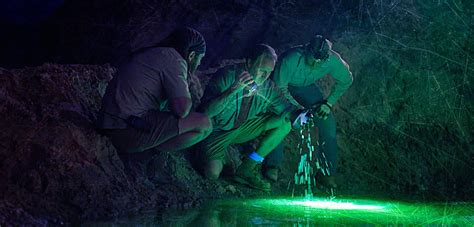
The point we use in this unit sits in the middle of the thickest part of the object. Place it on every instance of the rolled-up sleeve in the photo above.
(278, 104)
(281, 75)
(342, 76)
(174, 81)
(220, 81)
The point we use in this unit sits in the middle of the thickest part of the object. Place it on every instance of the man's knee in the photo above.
(213, 169)
(279, 123)
(203, 122)
(285, 125)
(205, 125)
(327, 130)
(199, 122)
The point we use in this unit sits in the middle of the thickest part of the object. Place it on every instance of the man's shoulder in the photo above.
(270, 86)
(165, 52)
(293, 53)
(228, 71)
(160, 57)
(336, 59)
(225, 76)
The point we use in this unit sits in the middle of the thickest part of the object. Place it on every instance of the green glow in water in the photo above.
(334, 205)
(314, 212)
(354, 211)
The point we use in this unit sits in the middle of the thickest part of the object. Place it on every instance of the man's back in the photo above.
(145, 82)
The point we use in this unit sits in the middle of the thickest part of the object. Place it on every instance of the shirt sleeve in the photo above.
(342, 76)
(278, 102)
(175, 80)
(218, 84)
(281, 76)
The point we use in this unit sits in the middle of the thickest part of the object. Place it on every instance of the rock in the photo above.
(50, 150)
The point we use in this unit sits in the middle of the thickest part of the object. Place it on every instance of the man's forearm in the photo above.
(337, 91)
(215, 106)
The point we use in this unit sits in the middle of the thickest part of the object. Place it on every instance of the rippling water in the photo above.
(301, 212)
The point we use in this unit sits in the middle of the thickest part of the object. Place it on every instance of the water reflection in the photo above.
(298, 212)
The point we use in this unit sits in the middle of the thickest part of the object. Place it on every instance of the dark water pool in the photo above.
(301, 212)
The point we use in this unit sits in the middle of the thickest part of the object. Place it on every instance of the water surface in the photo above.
(302, 212)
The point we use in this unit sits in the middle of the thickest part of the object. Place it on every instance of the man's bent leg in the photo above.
(192, 129)
(275, 128)
(327, 144)
(162, 127)
(275, 158)
(273, 162)
(212, 153)
(309, 96)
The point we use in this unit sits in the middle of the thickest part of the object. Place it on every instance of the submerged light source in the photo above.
(335, 205)
(329, 204)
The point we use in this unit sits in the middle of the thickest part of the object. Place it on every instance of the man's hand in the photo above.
(304, 118)
(323, 110)
(243, 80)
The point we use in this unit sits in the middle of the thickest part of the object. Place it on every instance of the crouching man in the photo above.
(147, 104)
(244, 105)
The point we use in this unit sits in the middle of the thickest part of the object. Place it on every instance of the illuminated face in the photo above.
(262, 69)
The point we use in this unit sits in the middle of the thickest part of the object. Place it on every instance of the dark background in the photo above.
(404, 127)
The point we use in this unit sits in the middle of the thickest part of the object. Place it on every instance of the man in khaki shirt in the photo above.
(296, 74)
(147, 104)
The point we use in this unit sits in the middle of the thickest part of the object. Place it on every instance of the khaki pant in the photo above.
(164, 126)
(215, 145)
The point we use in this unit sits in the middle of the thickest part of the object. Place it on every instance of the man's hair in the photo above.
(263, 50)
(183, 40)
(319, 47)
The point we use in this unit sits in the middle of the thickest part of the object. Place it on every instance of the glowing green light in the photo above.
(312, 212)
(335, 205)
(351, 211)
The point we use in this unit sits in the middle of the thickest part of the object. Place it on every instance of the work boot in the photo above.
(249, 174)
(271, 173)
(326, 182)
(331, 181)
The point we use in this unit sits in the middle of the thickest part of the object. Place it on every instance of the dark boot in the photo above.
(271, 173)
(325, 182)
(249, 174)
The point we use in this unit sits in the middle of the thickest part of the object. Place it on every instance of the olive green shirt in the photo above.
(267, 98)
(292, 70)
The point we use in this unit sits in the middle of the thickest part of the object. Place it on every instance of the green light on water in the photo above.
(311, 212)
(335, 205)
(352, 211)
(328, 204)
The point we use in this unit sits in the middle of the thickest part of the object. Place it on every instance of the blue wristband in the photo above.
(256, 157)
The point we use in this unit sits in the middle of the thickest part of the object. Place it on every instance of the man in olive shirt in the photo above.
(243, 105)
(147, 104)
(296, 74)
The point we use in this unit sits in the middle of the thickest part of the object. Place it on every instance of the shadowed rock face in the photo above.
(51, 155)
